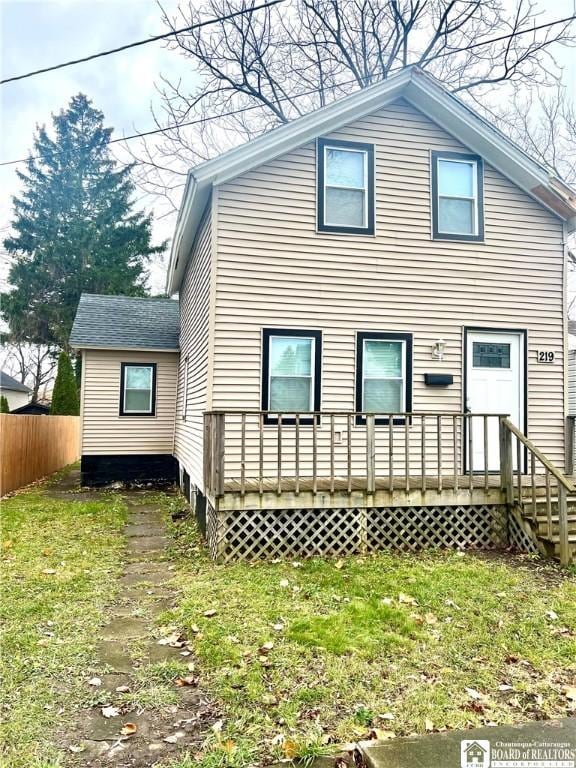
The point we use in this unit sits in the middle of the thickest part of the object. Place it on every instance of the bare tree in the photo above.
(31, 364)
(268, 66)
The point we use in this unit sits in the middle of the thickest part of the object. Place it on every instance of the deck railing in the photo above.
(349, 450)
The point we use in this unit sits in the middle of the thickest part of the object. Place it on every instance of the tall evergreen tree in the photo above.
(65, 395)
(75, 228)
(4, 407)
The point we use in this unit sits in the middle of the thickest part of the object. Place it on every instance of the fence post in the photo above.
(506, 463)
(563, 525)
(569, 445)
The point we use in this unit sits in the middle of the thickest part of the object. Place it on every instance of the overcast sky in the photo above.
(36, 33)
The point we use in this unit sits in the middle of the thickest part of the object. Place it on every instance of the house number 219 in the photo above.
(545, 356)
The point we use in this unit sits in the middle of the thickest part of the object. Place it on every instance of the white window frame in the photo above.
(138, 412)
(327, 186)
(312, 368)
(401, 378)
(473, 199)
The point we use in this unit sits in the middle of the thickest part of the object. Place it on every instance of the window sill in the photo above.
(459, 238)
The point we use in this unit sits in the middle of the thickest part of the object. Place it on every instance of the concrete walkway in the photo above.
(538, 744)
(127, 727)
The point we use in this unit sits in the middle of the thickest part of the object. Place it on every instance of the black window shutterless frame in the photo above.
(321, 226)
(152, 411)
(361, 336)
(436, 234)
(316, 364)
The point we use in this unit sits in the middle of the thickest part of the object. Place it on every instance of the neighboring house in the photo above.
(33, 409)
(392, 263)
(16, 393)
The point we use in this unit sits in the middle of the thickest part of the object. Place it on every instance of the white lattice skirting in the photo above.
(270, 533)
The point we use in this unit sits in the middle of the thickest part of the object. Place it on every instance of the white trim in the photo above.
(474, 199)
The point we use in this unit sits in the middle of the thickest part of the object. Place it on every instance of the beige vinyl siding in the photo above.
(274, 270)
(104, 431)
(194, 346)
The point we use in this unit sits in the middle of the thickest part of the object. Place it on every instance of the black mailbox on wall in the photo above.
(438, 379)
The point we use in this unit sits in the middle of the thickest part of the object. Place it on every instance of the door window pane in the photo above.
(456, 216)
(455, 178)
(344, 168)
(345, 207)
(486, 355)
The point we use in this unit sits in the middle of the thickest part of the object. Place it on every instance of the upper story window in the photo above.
(291, 371)
(345, 194)
(457, 196)
(138, 389)
(383, 373)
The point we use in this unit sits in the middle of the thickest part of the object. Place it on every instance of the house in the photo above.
(16, 393)
(372, 337)
(32, 409)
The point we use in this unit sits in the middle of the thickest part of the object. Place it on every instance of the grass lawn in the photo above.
(301, 654)
(59, 566)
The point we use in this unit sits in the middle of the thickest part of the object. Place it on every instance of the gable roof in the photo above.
(125, 322)
(7, 382)
(412, 84)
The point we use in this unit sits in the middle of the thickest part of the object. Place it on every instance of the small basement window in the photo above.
(457, 196)
(345, 187)
(291, 372)
(138, 389)
(383, 374)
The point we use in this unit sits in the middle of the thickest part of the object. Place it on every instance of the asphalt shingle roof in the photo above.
(7, 382)
(124, 322)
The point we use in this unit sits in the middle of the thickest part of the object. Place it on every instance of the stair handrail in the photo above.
(560, 477)
(564, 486)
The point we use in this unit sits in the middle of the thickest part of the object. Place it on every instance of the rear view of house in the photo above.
(372, 336)
(16, 393)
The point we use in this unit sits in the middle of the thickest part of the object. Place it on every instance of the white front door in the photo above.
(494, 384)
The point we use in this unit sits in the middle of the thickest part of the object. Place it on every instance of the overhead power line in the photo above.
(241, 110)
(137, 43)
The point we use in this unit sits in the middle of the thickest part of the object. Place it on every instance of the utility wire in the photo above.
(241, 110)
(141, 42)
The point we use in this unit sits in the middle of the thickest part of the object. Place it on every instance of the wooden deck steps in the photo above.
(548, 531)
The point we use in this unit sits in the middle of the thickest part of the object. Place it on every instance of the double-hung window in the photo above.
(345, 193)
(138, 389)
(457, 196)
(291, 372)
(383, 374)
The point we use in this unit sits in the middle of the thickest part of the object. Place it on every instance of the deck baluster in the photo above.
(455, 450)
(243, 454)
(261, 454)
(407, 451)
(548, 505)
(314, 455)
(331, 453)
(533, 482)
(423, 452)
(469, 426)
(519, 469)
(370, 454)
(279, 463)
(391, 454)
(439, 449)
(297, 455)
(485, 426)
(349, 449)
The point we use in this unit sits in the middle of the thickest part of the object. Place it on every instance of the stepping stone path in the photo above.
(126, 645)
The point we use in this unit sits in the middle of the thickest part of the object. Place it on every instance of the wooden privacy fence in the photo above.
(34, 446)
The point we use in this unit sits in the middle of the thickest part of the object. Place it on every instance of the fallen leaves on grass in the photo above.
(128, 729)
(210, 612)
(110, 711)
(95, 681)
(380, 735)
(407, 599)
(182, 682)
